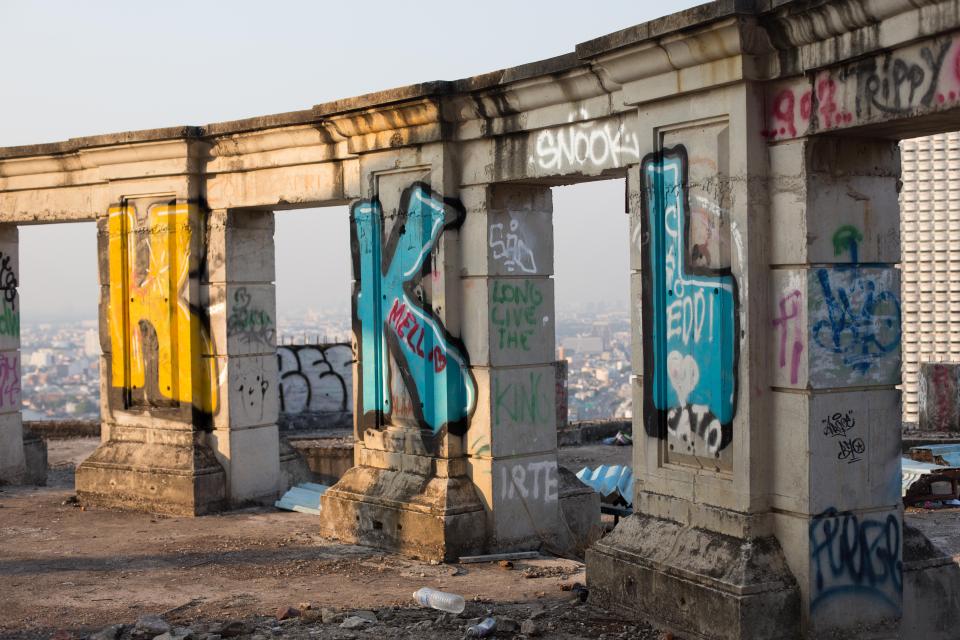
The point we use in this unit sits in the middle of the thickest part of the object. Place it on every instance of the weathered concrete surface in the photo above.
(182, 478)
(328, 458)
(702, 584)
(431, 518)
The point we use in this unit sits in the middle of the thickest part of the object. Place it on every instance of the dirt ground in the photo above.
(65, 568)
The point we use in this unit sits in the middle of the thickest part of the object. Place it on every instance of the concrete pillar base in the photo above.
(294, 469)
(429, 518)
(177, 478)
(696, 582)
(34, 458)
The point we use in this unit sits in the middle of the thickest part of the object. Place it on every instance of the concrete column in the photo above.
(509, 331)
(414, 390)
(12, 464)
(835, 329)
(699, 554)
(159, 386)
(242, 302)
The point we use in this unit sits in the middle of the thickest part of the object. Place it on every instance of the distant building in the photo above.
(91, 344)
(583, 344)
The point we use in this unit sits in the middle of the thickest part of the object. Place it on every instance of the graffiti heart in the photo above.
(393, 321)
(693, 349)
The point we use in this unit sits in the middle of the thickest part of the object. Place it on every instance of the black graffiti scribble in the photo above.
(250, 397)
(894, 85)
(854, 555)
(313, 370)
(8, 280)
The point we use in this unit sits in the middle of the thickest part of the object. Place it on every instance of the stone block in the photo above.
(240, 247)
(509, 321)
(508, 242)
(243, 319)
(516, 412)
(248, 395)
(251, 458)
(836, 450)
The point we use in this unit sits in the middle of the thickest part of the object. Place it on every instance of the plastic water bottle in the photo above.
(482, 630)
(449, 602)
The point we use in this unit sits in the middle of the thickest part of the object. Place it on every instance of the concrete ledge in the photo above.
(160, 478)
(58, 429)
(698, 583)
(429, 518)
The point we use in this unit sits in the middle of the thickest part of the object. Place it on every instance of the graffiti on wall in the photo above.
(521, 400)
(693, 325)
(315, 378)
(9, 381)
(395, 326)
(847, 239)
(790, 326)
(156, 335)
(585, 143)
(10, 316)
(901, 82)
(530, 481)
(511, 247)
(854, 325)
(515, 307)
(249, 323)
(838, 426)
(855, 555)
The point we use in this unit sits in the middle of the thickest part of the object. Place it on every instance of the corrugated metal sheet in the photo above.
(304, 498)
(609, 479)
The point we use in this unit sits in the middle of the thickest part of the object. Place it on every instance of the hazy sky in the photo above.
(84, 68)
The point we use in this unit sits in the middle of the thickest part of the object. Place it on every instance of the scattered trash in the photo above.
(449, 602)
(304, 498)
(613, 482)
(494, 557)
(619, 440)
(286, 612)
(486, 627)
(580, 591)
(505, 564)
